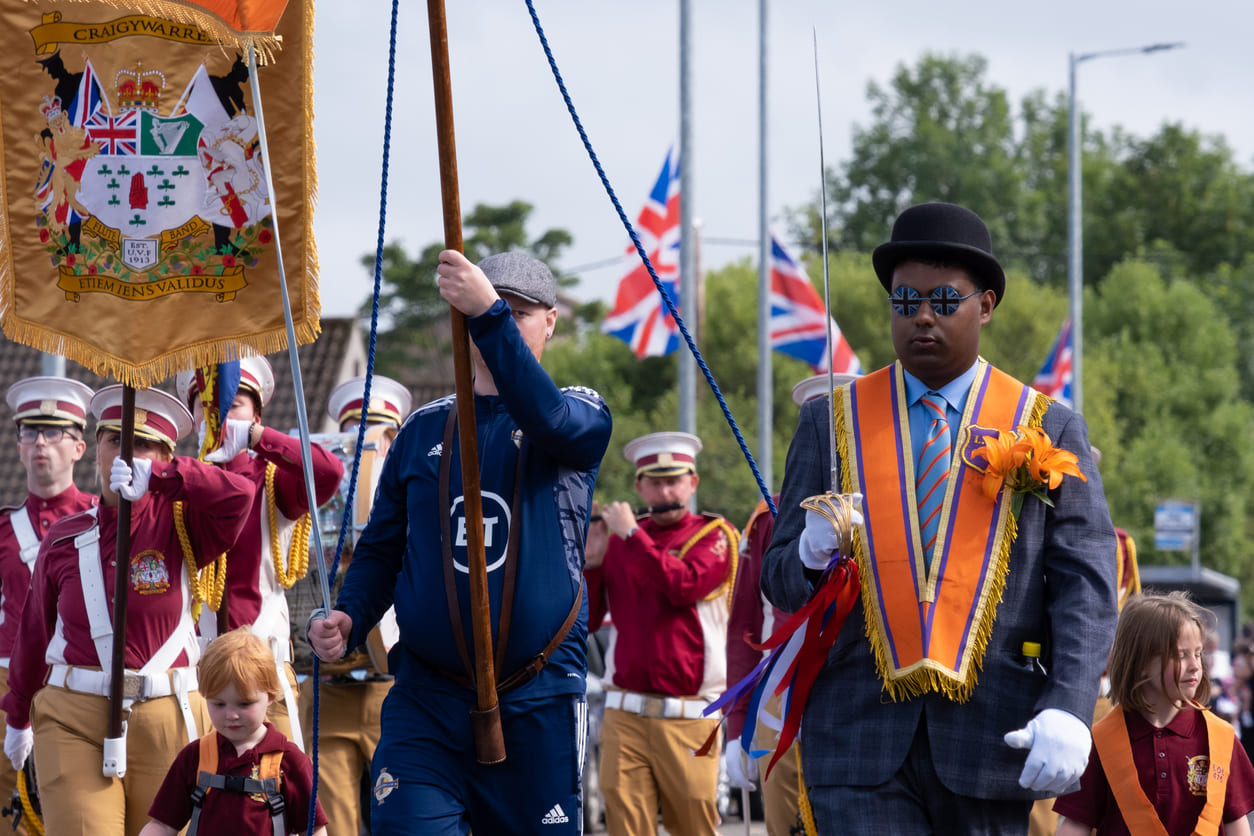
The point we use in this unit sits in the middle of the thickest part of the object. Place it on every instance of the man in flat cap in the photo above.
(51, 416)
(667, 578)
(540, 447)
(918, 720)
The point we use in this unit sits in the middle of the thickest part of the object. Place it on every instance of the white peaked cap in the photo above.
(663, 454)
(816, 386)
(158, 415)
(254, 374)
(389, 401)
(49, 400)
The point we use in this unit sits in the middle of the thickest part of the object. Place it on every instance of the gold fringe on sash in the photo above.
(924, 676)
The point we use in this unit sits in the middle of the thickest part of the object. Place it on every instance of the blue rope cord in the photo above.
(347, 521)
(635, 240)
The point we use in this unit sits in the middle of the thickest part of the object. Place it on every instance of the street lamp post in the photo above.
(1075, 232)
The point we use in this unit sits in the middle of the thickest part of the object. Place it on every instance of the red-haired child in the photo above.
(246, 777)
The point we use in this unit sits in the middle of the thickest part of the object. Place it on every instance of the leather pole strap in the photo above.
(533, 667)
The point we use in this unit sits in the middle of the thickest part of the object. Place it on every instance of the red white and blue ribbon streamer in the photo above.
(797, 651)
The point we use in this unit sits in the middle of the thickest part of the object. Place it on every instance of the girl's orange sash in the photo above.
(928, 632)
(1114, 748)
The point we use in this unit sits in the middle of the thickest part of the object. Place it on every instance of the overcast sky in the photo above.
(620, 61)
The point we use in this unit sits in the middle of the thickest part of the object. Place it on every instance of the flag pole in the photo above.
(486, 719)
(115, 745)
(687, 246)
(302, 419)
(766, 390)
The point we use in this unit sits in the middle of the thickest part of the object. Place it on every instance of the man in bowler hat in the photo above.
(962, 683)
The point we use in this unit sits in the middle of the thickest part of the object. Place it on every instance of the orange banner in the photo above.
(137, 231)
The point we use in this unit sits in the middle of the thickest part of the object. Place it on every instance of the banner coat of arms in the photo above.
(136, 228)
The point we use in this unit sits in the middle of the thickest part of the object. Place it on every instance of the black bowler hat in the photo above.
(942, 231)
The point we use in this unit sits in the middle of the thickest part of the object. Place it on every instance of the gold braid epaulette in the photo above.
(298, 550)
(733, 537)
(211, 577)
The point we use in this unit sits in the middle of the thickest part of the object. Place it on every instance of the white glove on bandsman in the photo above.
(130, 481)
(819, 539)
(18, 744)
(234, 441)
(1059, 744)
(742, 770)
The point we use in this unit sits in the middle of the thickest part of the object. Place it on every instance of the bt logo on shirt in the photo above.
(496, 521)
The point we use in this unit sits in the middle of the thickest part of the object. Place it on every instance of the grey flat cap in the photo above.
(522, 275)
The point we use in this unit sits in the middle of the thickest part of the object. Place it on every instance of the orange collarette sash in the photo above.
(928, 627)
(1114, 748)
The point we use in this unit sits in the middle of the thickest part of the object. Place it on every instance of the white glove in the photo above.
(200, 436)
(18, 744)
(819, 539)
(1059, 745)
(742, 770)
(234, 441)
(130, 481)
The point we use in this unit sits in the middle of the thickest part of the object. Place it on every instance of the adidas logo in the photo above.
(437, 450)
(555, 816)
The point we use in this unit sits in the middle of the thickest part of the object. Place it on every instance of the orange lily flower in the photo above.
(1047, 464)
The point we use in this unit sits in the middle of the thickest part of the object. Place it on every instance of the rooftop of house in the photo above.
(335, 356)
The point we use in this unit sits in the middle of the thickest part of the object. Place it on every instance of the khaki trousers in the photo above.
(277, 713)
(348, 734)
(781, 792)
(70, 729)
(8, 776)
(647, 762)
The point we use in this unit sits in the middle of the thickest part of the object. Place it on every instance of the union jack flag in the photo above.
(88, 100)
(116, 135)
(640, 317)
(1054, 378)
(799, 321)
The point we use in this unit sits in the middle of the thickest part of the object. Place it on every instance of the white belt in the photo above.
(668, 708)
(135, 686)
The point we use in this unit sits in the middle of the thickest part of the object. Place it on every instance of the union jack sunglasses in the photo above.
(945, 300)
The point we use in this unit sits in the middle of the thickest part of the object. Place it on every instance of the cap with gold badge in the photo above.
(158, 415)
(663, 454)
(389, 401)
(56, 401)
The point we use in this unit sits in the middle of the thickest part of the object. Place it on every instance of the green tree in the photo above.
(1159, 389)
(1178, 187)
(940, 131)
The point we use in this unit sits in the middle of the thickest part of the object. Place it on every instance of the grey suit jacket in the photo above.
(1060, 591)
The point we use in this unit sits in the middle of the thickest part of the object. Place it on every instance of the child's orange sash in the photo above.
(928, 626)
(1114, 748)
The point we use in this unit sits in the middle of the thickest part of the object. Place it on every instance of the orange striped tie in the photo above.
(932, 473)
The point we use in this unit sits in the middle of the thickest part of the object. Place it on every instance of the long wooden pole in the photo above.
(121, 575)
(486, 719)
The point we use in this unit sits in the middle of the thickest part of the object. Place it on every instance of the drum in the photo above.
(343, 446)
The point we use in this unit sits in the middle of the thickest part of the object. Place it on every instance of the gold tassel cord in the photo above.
(28, 807)
(727, 588)
(211, 577)
(804, 811)
(298, 551)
